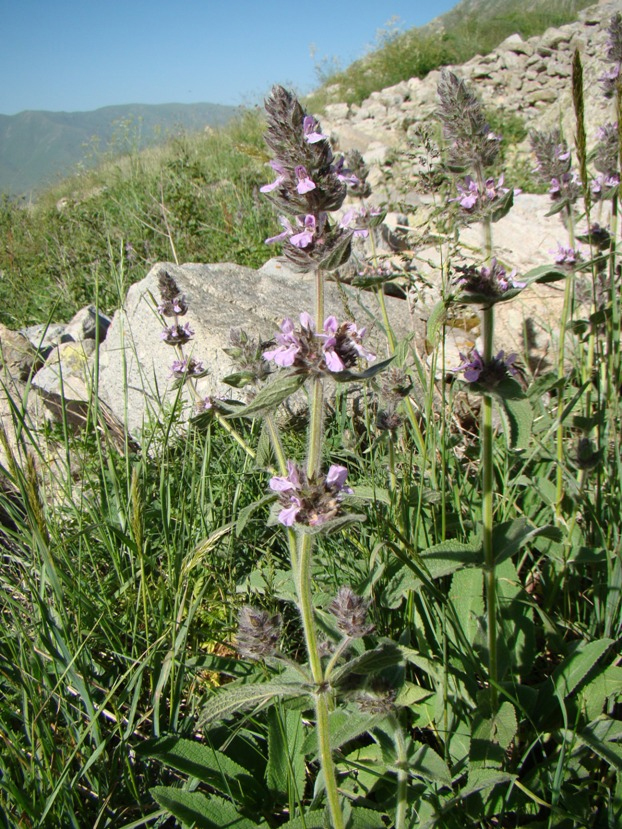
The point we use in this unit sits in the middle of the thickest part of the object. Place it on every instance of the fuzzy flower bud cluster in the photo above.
(173, 304)
(258, 633)
(350, 611)
(474, 199)
(472, 143)
(309, 501)
(336, 348)
(554, 165)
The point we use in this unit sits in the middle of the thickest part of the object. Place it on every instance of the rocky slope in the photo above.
(531, 78)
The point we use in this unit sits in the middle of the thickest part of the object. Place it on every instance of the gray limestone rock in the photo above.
(135, 375)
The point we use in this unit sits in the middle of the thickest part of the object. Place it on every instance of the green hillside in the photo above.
(37, 147)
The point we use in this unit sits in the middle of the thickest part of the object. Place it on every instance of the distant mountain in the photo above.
(38, 147)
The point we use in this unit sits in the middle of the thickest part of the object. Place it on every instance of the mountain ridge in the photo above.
(39, 146)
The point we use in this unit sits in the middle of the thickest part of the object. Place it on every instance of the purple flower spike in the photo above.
(310, 128)
(305, 183)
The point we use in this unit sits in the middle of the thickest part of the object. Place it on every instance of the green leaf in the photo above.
(510, 536)
(332, 526)
(467, 596)
(603, 737)
(285, 772)
(343, 726)
(206, 764)
(518, 416)
(574, 669)
(234, 698)
(436, 321)
(448, 556)
(245, 513)
(544, 273)
(384, 656)
(361, 818)
(606, 684)
(427, 764)
(239, 379)
(201, 811)
(270, 396)
(491, 736)
(480, 779)
(371, 371)
(311, 820)
(503, 207)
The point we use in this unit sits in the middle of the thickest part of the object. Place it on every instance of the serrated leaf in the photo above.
(573, 670)
(371, 493)
(343, 726)
(491, 737)
(361, 818)
(206, 764)
(603, 738)
(332, 526)
(480, 779)
(272, 395)
(245, 513)
(311, 820)
(200, 811)
(234, 698)
(604, 686)
(558, 206)
(503, 207)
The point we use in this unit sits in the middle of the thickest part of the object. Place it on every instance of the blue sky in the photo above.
(76, 55)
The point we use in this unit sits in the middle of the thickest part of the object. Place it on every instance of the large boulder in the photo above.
(135, 378)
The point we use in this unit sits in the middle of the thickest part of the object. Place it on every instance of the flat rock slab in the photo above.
(135, 378)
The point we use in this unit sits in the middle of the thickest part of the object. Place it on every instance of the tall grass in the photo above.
(195, 199)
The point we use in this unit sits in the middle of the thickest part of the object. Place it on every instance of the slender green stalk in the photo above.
(402, 777)
(567, 313)
(488, 513)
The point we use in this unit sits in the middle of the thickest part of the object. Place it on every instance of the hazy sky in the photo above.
(76, 55)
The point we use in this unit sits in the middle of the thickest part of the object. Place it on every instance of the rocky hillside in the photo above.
(530, 78)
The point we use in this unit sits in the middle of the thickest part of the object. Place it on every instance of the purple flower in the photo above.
(306, 235)
(268, 188)
(565, 186)
(491, 282)
(177, 334)
(357, 217)
(287, 231)
(490, 374)
(336, 348)
(469, 193)
(181, 369)
(288, 345)
(343, 174)
(308, 501)
(566, 256)
(602, 183)
(305, 184)
(310, 130)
